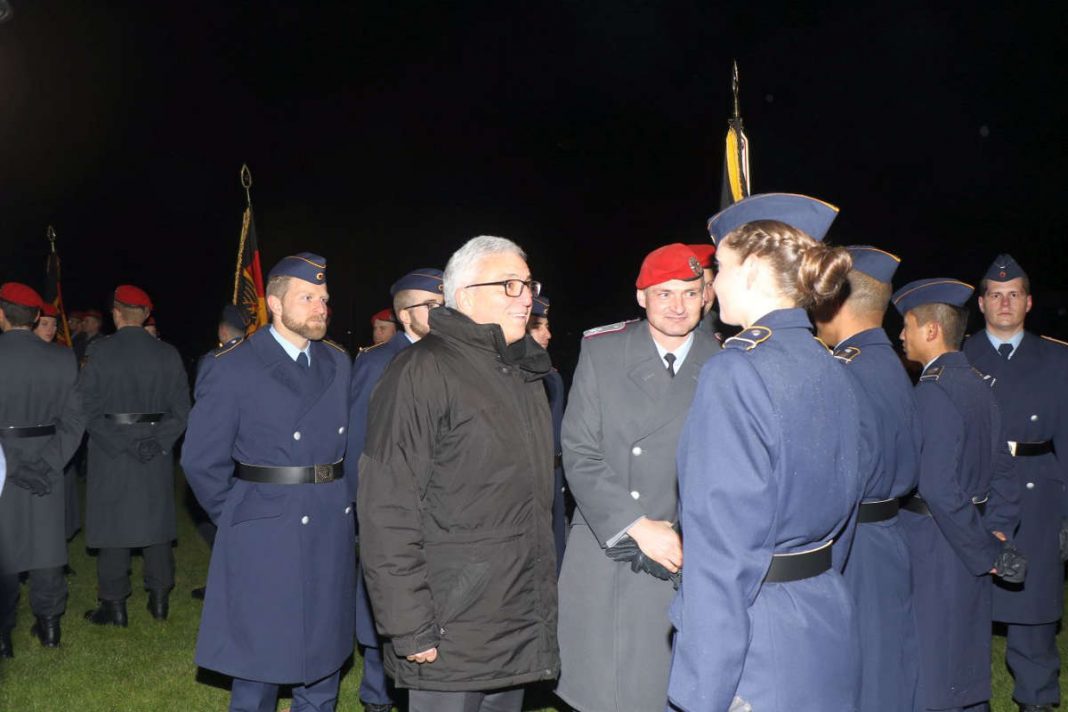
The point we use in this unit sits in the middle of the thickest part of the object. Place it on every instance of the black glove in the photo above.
(1064, 540)
(1011, 565)
(32, 475)
(147, 449)
(626, 550)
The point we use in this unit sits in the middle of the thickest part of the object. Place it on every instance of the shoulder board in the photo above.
(822, 343)
(748, 339)
(847, 354)
(372, 347)
(336, 345)
(230, 348)
(932, 374)
(1055, 341)
(990, 380)
(607, 328)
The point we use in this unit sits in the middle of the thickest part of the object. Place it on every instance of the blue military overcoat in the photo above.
(877, 572)
(767, 464)
(963, 460)
(1032, 393)
(279, 605)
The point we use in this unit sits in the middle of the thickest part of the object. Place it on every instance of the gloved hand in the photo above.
(1011, 565)
(146, 449)
(1064, 540)
(32, 475)
(626, 550)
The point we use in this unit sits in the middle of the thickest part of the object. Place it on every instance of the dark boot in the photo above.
(159, 604)
(108, 613)
(376, 707)
(46, 629)
(198, 593)
(1036, 708)
(6, 649)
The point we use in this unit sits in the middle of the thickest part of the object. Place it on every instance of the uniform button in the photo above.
(636, 450)
(1034, 418)
(341, 430)
(304, 519)
(348, 509)
(296, 435)
(635, 494)
(1030, 485)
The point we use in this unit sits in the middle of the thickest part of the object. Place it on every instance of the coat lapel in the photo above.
(277, 362)
(319, 379)
(668, 397)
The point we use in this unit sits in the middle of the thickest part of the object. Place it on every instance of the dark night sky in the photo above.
(383, 135)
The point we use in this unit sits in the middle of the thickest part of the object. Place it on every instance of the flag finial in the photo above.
(734, 90)
(246, 182)
(50, 233)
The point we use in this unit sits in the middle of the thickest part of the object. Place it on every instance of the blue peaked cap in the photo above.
(938, 290)
(1004, 269)
(540, 306)
(303, 265)
(811, 215)
(426, 279)
(877, 264)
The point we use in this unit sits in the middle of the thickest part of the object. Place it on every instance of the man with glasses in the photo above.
(414, 295)
(455, 496)
(632, 389)
(1031, 387)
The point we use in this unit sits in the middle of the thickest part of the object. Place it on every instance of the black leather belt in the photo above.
(803, 565)
(308, 475)
(134, 418)
(916, 505)
(877, 511)
(27, 431)
(1030, 449)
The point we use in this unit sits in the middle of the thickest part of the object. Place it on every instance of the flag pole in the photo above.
(246, 183)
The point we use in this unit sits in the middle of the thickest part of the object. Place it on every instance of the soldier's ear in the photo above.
(640, 296)
(1028, 304)
(982, 305)
(274, 304)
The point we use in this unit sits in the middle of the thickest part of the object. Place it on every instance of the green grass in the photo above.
(149, 666)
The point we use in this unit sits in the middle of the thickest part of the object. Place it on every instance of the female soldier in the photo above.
(768, 480)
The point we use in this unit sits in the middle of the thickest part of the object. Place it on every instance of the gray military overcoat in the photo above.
(130, 503)
(621, 427)
(36, 388)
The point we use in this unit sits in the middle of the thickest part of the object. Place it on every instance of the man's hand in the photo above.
(659, 541)
(427, 656)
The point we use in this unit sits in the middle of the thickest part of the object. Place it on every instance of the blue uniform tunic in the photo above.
(877, 571)
(279, 606)
(767, 464)
(963, 460)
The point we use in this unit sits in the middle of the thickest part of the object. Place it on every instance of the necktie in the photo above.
(670, 358)
(302, 360)
(1005, 350)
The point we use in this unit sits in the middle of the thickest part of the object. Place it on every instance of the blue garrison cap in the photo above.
(540, 306)
(811, 215)
(426, 279)
(234, 316)
(303, 265)
(939, 290)
(1004, 269)
(877, 264)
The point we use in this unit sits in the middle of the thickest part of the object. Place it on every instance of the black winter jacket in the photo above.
(455, 507)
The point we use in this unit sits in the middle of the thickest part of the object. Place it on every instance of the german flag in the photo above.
(248, 278)
(53, 292)
(736, 154)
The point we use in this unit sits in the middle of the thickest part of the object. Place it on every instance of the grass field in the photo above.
(149, 666)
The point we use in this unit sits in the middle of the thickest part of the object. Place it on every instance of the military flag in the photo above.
(736, 154)
(53, 292)
(249, 292)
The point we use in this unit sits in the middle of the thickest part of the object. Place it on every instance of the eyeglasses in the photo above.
(512, 287)
(429, 305)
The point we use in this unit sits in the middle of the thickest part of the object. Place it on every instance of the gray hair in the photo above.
(464, 263)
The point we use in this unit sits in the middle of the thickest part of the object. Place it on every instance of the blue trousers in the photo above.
(253, 696)
(374, 688)
(1031, 654)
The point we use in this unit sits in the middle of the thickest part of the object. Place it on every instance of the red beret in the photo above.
(674, 261)
(18, 293)
(49, 309)
(384, 315)
(132, 296)
(704, 253)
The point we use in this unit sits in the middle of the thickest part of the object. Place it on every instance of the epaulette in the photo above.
(336, 345)
(990, 380)
(607, 328)
(230, 348)
(847, 354)
(1056, 341)
(932, 374)
(748, 339)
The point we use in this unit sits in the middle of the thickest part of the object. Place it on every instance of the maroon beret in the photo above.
(674, 261)
(132, 296)
(18, 293)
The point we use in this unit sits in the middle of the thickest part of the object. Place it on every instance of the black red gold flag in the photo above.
(248, 280)
(53, 291)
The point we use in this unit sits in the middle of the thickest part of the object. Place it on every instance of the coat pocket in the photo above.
(257, 505)
(464, 590)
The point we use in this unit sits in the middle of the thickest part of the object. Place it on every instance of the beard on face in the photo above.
(313, 328)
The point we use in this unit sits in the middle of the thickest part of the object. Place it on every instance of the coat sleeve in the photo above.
(364, 378)
(397, 462)
(728, 502)
(600, 492)
(940, 461)
(71, 424)
(207, 457)
(177, 403)
(1003, 506)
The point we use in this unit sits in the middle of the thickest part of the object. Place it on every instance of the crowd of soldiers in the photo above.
(776, 521)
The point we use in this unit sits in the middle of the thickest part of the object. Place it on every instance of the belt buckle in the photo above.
(1012, 447)
(324, 473)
